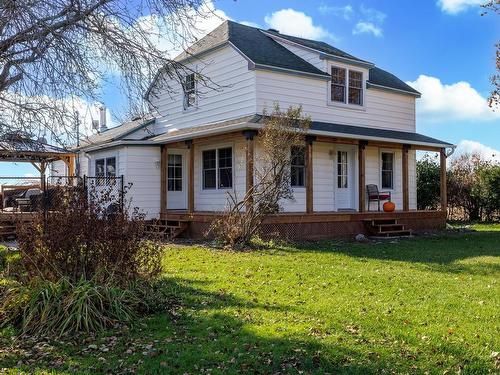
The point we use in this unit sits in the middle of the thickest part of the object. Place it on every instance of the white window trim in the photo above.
(217, 147)
(195, 105)
(104, 157)
(346, 104)
(300, 188)
(386, 151)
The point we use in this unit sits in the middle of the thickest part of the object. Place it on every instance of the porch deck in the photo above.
(316, 225)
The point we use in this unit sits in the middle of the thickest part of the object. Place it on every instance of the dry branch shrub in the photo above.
(243, 217)
(86, 266)
(86, 235)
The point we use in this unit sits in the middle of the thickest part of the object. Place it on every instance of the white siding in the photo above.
(58, 168)
(231, 93)
(143, 172)
(216, 200)
(382, 109)
(323, 177)
(310, 56)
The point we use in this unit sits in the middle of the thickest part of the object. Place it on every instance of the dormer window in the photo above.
(189, 87)
(355, 87)
(338, 84)
(346, 86)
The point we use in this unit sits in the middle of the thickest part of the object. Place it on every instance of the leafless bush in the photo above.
(86, 235)
(282, 131)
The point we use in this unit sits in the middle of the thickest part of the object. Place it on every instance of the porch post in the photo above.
(309, 174)
(190, 145)
(163, 178)
(406, 199)
(442, 164)
(361, 175)
(250, 150)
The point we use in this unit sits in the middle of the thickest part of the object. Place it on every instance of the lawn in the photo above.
(415, 306)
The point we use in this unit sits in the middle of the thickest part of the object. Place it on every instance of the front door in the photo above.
(177, 196)
(344, 182)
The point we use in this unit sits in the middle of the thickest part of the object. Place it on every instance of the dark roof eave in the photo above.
(387, 88)
(324, 76)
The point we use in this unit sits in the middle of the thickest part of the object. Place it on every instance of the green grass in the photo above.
(424, 305)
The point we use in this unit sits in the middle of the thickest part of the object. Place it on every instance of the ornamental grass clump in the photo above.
(86, 266)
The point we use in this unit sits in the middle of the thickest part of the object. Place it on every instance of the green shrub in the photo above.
(63, 307)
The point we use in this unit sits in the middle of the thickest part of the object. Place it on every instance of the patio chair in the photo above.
(377, 196)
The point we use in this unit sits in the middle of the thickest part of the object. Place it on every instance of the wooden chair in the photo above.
(375, 195)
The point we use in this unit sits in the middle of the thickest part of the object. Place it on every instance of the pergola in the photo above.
(21, 149)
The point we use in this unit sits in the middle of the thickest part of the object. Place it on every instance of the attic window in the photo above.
(338, 84)
(189, 87)
(355, 87)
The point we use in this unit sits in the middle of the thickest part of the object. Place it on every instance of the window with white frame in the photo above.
(298, 166)
(346, 86)
(217, 168)
(174, 178)
(355, 87)
(105, 167)
(338, 84)
(342, 169)
(189, 87)
(387, 170)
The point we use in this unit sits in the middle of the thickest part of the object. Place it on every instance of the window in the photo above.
(189, 87)
(225, 168)
(355, 87)
(105, 167)
(209, 169)
(338, 85)
(387, 170)
(298, 166)
(217, 168)
(174, 172)
(342, 169)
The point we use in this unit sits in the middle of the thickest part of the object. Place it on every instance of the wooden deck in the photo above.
(317, 225)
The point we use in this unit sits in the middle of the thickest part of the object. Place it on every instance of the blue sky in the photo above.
(445, 48)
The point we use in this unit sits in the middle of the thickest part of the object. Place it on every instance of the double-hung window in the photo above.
(298, 166)
(338, 84)
(189, 88)
(355, 87)
(217, 166)
(387, 171)
(346, 86)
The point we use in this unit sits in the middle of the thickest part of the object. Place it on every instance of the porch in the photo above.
(318, 217)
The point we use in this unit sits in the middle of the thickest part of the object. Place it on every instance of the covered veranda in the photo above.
(15, 148)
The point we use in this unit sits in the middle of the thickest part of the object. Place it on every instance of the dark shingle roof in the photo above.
(361, 132)
(319, 46)
(386, 79)
(262, 49)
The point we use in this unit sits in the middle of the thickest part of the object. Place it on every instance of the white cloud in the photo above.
(456, 101)
(367, 28)
(345, 11)
(292, 22)
(457, 6)
(372, 15)
(472, 147)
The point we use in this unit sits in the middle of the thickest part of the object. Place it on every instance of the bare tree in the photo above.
(494, 99)
(282, 137)
(54, 54)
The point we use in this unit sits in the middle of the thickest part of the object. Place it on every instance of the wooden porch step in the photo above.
(167, 229)
(390, 227)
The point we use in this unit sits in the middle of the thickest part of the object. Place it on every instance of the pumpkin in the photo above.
(389, 206)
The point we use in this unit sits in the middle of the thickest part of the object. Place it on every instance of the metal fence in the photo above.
(33, 194)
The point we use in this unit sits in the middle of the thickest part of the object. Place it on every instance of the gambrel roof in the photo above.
(262, 51)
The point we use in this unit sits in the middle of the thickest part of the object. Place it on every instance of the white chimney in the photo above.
(102, 119)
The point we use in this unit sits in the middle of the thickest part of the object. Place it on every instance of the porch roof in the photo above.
(16, 147)
(317, 128)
